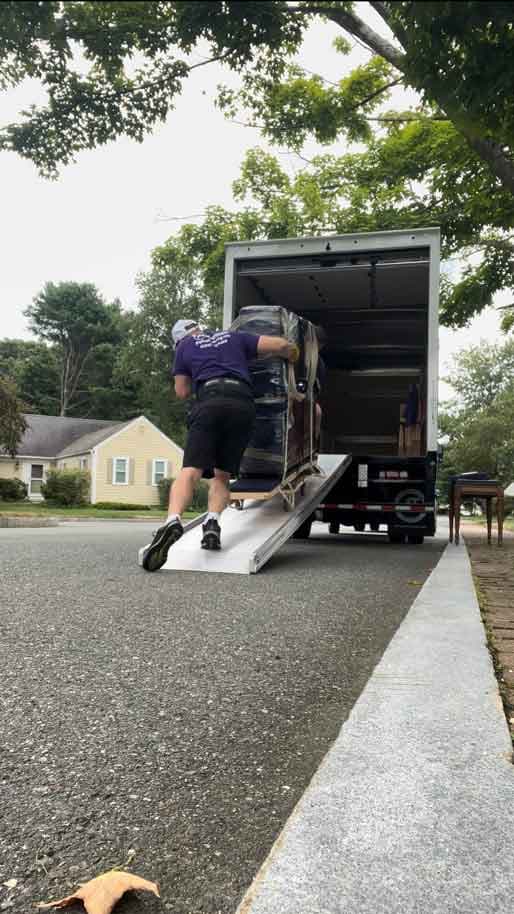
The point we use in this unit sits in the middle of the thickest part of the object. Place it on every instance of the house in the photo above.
(126, 460)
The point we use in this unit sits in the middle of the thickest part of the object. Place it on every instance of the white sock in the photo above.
(213, 515)
(172, 517)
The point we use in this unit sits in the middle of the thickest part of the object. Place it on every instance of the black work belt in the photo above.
(224, 387)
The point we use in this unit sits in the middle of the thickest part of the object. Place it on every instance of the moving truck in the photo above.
(376, 296)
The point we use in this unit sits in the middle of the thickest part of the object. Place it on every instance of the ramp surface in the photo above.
(251, 536)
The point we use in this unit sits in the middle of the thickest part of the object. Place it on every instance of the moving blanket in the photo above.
(283, 433)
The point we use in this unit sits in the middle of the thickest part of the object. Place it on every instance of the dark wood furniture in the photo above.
(484, 489)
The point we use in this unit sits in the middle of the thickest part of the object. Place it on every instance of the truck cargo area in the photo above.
(373, 306)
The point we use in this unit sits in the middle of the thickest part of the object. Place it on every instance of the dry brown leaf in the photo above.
(100, 894)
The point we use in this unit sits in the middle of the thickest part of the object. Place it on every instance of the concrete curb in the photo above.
(32, 521)
(412, 809)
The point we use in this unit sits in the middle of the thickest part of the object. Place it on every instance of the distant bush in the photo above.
(199, 499)
(164, 486)
(120, 506)
(66, 487)
(12, 490)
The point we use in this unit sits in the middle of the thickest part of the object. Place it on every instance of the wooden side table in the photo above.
(485, 490)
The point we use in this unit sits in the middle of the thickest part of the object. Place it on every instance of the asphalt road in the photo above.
(177, 716)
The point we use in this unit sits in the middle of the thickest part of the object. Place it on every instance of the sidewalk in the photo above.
(412, 809)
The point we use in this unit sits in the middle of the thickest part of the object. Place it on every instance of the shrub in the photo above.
(12, 490)
(164, 486)
(199, 499)
(66, 487)
(120, 506)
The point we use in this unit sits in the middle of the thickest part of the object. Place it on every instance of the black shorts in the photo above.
(219, 430)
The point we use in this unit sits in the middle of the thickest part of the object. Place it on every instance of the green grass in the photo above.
(26, 508)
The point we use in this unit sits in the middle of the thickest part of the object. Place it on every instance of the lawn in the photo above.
(26, 508)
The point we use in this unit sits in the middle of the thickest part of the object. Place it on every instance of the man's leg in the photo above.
(219, 492)
(219, 495)
(181, 496)
(182, 490)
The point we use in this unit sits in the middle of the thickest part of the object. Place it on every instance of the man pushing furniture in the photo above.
(214, 366)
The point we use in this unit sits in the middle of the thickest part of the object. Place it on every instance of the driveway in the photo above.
(174, 715)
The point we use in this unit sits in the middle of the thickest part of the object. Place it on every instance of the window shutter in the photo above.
(131, 468)
(110, 470)
(149, 479)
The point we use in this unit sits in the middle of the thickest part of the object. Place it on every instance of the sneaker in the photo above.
(211, 534)
(157, 553)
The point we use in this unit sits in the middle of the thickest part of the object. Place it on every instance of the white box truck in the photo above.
(376, 296)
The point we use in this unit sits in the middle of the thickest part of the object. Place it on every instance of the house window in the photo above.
(159, 470)
(120, 471)
(83, 463)
(36, 478)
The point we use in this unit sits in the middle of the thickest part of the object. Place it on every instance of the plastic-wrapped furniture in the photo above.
(283, 437)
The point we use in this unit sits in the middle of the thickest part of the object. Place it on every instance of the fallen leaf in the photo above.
(100, 894)
(415, 583)
(11, 883)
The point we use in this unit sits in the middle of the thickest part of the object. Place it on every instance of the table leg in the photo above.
(457, 517)
(489, 518)
(499, 517)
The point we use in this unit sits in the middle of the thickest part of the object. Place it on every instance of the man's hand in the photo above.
(278, 346)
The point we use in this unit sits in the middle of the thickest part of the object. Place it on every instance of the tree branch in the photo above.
(355, 25)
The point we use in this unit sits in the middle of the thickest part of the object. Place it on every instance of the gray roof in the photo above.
(61, 436)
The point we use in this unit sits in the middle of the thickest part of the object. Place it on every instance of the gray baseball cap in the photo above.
(182, 328)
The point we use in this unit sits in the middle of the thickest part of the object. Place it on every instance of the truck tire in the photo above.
(415, 539)
(333, 527)
(396, 536)
(304, 530)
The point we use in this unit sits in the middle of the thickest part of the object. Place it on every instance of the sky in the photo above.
(100, 220)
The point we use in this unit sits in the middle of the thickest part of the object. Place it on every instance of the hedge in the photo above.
(66, 487)
(200, 497)
(12, 489)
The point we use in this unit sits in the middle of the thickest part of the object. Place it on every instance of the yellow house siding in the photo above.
(73, 463)
(7, 469)
(141, 443)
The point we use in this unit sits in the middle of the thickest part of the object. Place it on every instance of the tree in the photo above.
(448, 161)
(457, 55)
(479, 422)
(172, 289)
(481, 374)
(74, 318)
(35, 369)
(12, 421)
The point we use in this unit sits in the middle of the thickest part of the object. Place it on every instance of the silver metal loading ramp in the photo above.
(251, 536)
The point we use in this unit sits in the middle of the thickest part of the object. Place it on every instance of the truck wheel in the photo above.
(333, 527)
(359, 526)
(396, 536)
(415, 539)
(304, 530)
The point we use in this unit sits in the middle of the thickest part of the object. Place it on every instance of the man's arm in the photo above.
(183, 386)
(278, 346)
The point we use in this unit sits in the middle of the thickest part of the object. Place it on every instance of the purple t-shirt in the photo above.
(216, 355)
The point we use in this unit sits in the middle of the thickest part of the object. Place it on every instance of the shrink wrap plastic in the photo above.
(283, 432)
